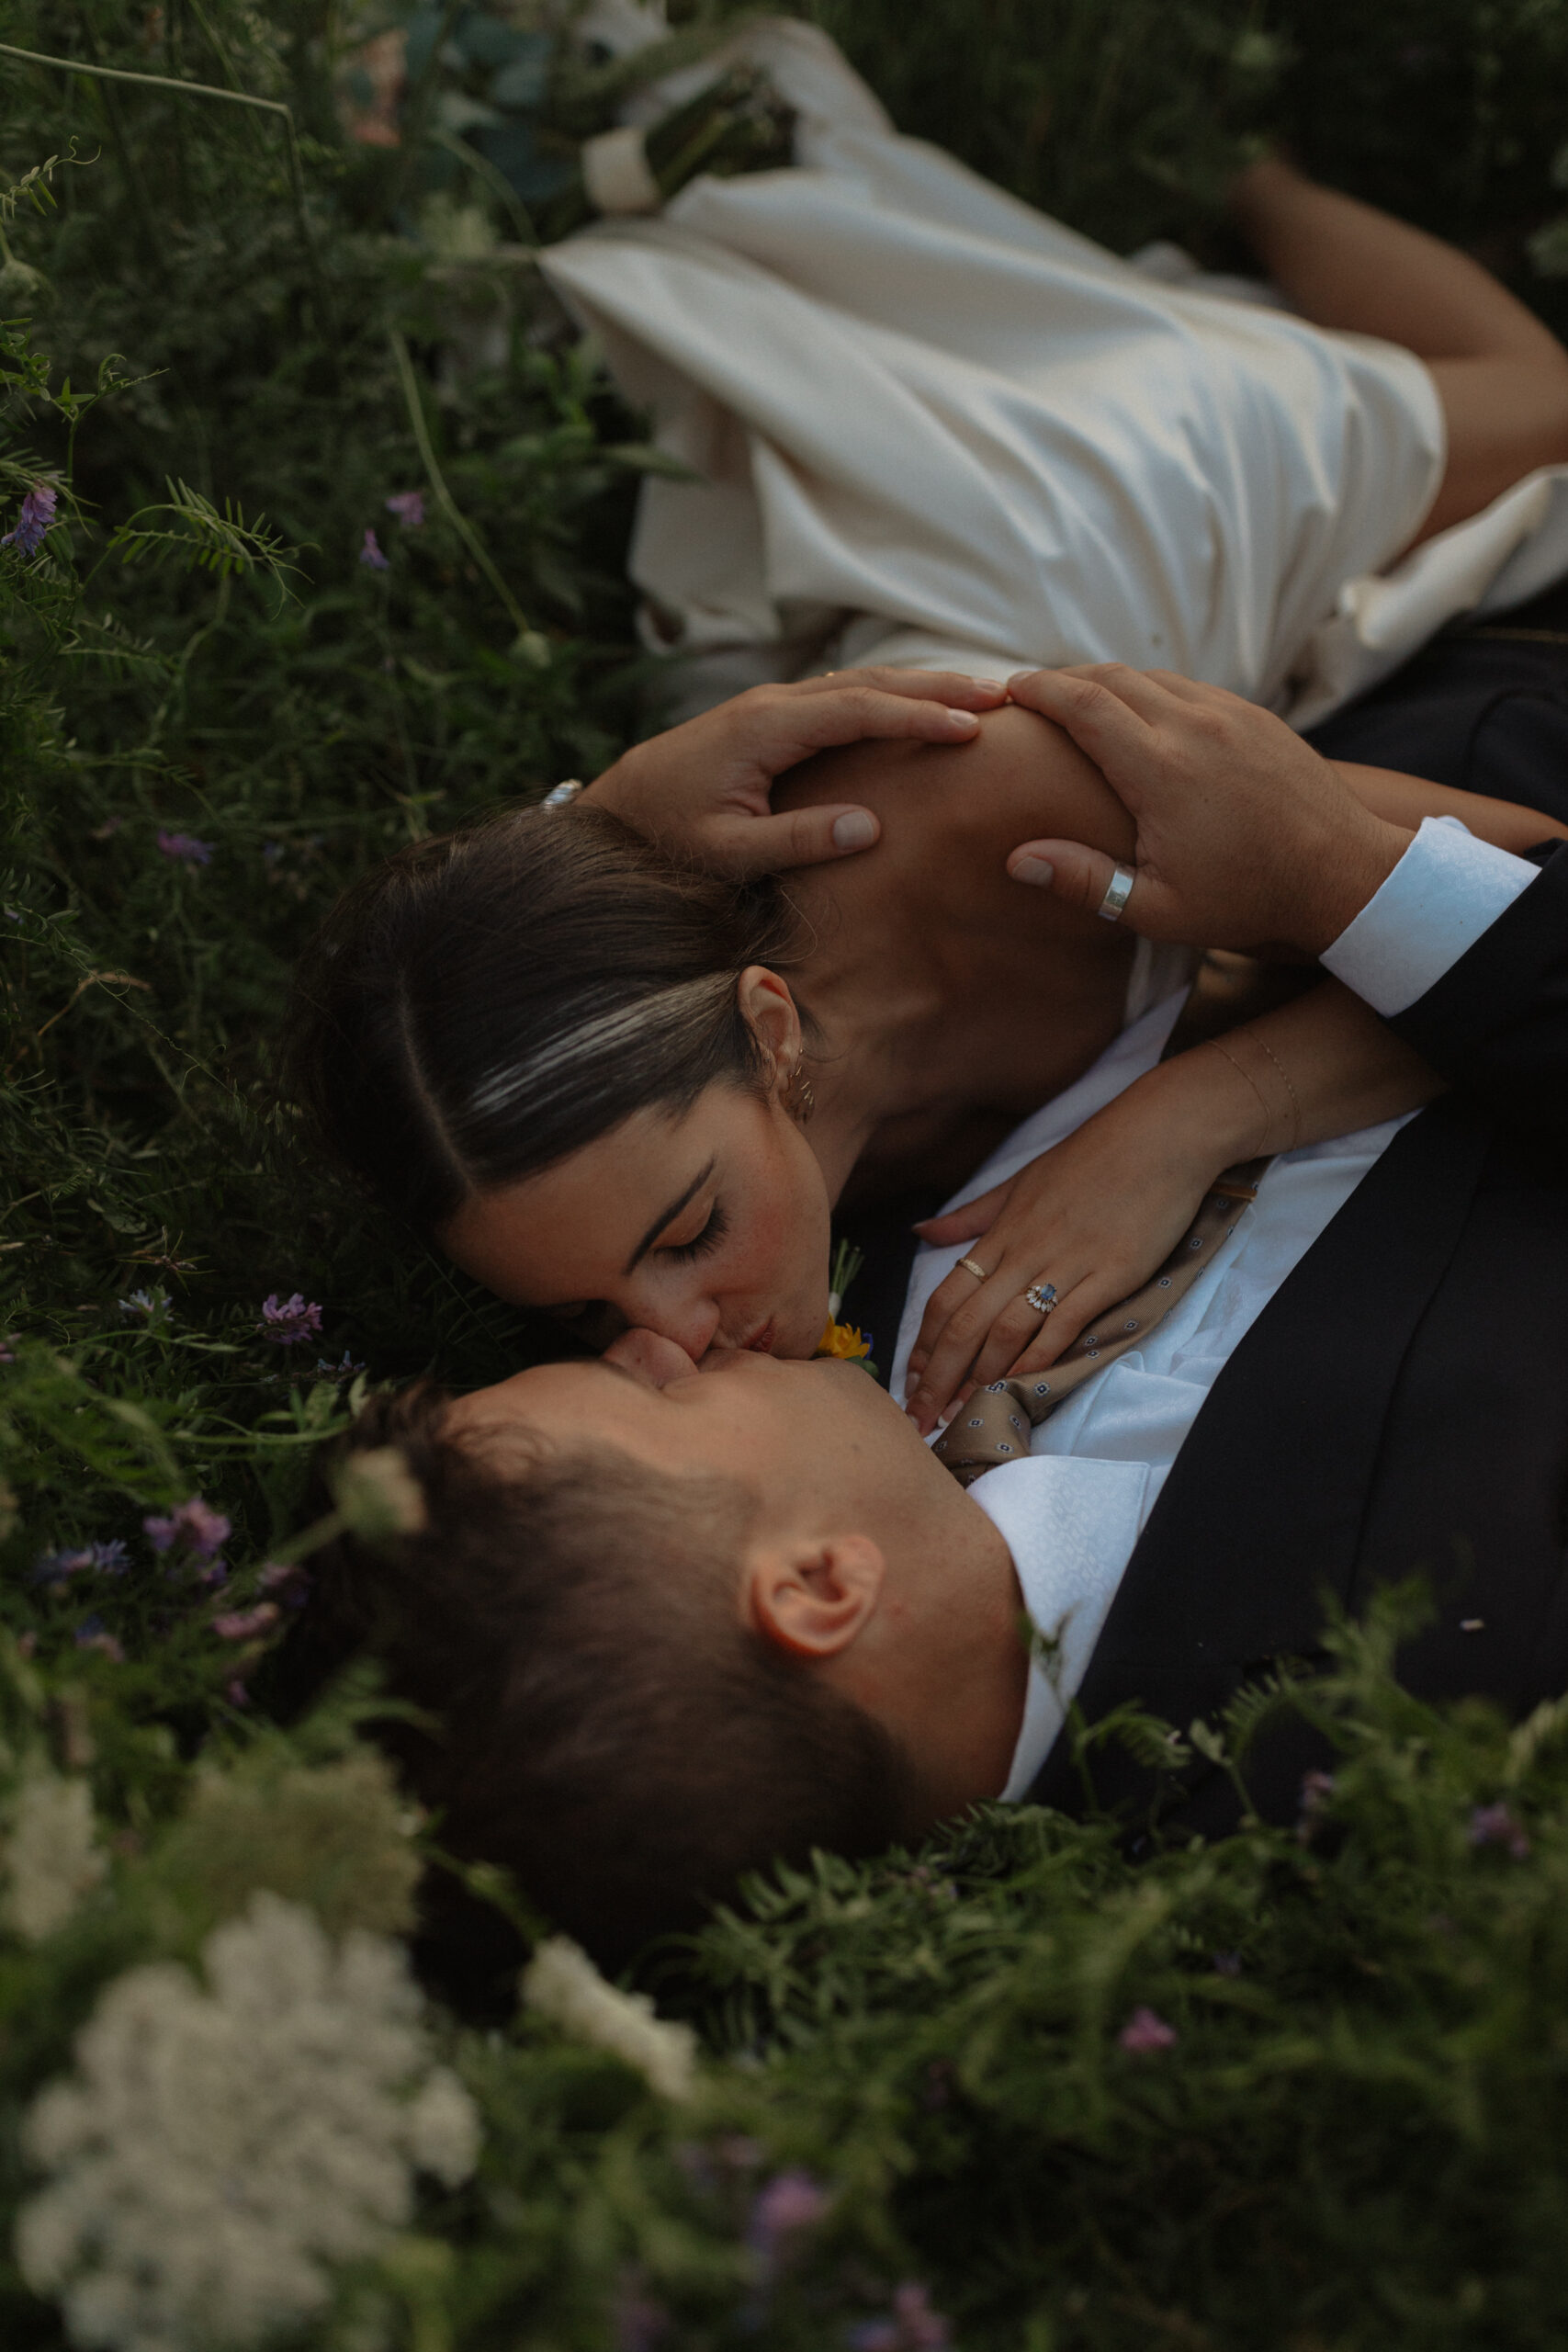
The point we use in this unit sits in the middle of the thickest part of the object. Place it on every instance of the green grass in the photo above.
(228, 351)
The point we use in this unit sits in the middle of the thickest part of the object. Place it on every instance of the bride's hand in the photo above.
(704, 786)
(1096, 1217)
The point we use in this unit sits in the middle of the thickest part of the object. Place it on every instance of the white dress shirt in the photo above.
(1073, 1510)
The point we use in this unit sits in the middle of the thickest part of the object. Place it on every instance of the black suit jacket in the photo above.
(1401, 1404)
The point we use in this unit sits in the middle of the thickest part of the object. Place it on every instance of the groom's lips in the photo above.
(761, 1339)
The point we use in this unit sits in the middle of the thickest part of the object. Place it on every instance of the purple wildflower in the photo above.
(344, 1370)
(7, 1349)
(195, 1525)
(90, 1635)
(910, 2326)
(244, 1624)
(36, 516)
(1146, 2032)
(237, 1695)
(1493, 1824)
(789, 2204)
(1316, 1790)
(370, 553)
(408, 505)
(58, 1567)
(640, 2323)
(286, 1322)
(185, 847)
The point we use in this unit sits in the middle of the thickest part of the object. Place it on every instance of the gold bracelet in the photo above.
(1268, 1114)
(1296, 1105)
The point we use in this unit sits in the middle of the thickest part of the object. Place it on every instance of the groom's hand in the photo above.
(703, 787)
(1245, 834)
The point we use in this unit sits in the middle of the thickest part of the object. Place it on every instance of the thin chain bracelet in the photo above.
(1296, 1105)
(563, 796)
(1262, 1105)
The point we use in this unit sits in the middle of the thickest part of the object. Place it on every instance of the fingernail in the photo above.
(964, 717)
(856, 828)
(990, 685)
(1032, 869)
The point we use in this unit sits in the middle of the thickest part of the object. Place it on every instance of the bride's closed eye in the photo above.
(699, 1246)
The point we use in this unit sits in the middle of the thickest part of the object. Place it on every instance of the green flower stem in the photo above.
(191, 90)
(444, 497)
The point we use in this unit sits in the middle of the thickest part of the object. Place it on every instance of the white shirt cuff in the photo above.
(1445, 892)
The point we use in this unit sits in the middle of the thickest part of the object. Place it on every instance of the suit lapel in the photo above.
(1264, 1505)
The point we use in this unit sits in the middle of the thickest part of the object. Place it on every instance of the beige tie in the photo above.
(993, 1427)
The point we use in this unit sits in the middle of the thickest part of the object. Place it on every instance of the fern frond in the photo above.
(201, 538)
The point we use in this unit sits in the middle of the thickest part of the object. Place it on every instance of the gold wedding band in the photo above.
(1118, 892)
(971, 1268)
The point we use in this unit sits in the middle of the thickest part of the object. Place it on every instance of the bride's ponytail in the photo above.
(487, 1003)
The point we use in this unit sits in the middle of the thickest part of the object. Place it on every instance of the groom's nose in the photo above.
(649, 1357)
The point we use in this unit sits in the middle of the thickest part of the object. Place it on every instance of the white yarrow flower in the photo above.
(220, 2148)
(51, 1855)
(379, 1494)
(563, 1984)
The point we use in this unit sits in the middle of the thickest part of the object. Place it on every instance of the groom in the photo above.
(663, 1654)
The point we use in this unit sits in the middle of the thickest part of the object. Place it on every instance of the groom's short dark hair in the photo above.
(601, 1722)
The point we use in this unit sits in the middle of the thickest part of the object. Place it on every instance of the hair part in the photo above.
(487, 1003)
(610, 1730)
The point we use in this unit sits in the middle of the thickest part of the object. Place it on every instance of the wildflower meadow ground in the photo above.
(313, 518)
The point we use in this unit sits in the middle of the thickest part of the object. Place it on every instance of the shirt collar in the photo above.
(1070, 1527)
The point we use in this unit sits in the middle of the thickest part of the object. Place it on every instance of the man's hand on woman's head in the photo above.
(1244, 834)
(704, 788)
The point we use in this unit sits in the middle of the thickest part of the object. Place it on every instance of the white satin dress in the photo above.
(930, 426)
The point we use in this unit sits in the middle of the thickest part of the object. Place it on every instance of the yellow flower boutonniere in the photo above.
(843, 1339)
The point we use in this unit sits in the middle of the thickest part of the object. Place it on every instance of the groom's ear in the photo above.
(812, 1599)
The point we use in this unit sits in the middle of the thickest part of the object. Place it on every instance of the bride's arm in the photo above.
(1098, 1214)
(1108, 1203)
(1406, 799)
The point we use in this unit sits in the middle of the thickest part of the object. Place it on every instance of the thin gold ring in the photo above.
(971, 1268)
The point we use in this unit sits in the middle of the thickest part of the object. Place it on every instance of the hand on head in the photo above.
(704, 788)
(1245, 835)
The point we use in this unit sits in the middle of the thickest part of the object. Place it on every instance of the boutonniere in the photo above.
(843, 1339)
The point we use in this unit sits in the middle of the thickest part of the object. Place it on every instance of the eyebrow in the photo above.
(666, 1217)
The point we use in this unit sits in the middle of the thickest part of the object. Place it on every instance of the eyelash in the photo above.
(710, 1237)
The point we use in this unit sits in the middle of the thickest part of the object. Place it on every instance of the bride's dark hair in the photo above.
(489, 1002)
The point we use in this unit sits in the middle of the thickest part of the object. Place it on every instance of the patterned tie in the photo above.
(993, 1427)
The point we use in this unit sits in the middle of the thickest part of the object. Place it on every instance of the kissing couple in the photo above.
(699, 1604)
(1214, 1321)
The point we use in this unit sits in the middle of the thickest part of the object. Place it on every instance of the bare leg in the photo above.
(1502, 377)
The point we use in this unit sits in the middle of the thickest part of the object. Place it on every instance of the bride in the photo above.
(619, 1087)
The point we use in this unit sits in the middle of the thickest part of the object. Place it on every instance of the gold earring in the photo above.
(800, 1095)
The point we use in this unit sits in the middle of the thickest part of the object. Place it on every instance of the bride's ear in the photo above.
(768, 1006)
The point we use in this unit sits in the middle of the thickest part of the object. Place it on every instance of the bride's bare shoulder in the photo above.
(951, 813)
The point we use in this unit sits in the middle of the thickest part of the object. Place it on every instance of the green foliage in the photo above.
(232, 335)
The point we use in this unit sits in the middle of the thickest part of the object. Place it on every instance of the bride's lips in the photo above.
(762, 1338)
